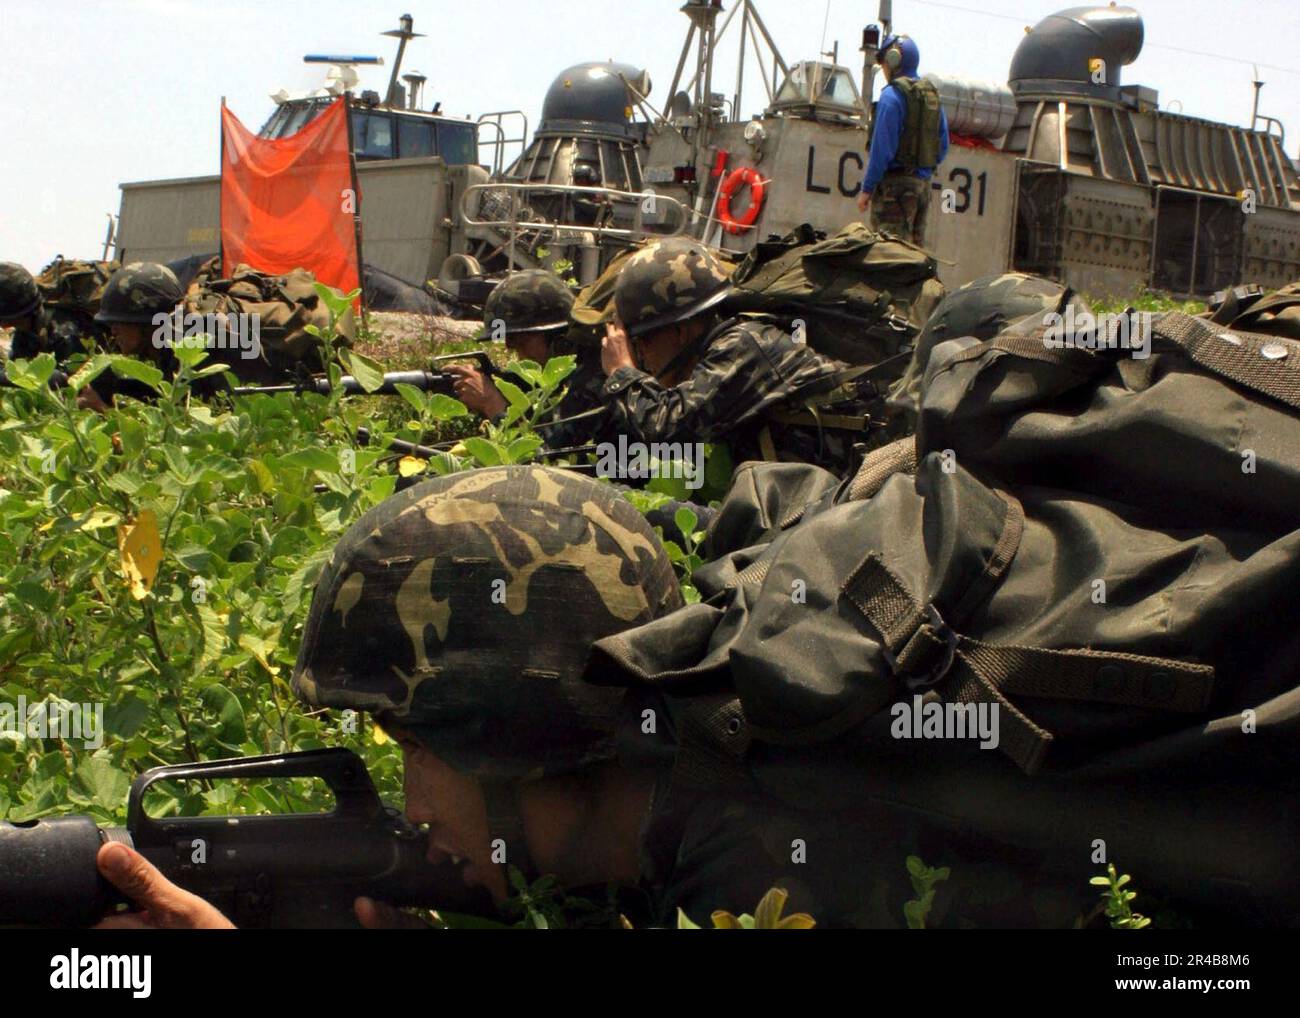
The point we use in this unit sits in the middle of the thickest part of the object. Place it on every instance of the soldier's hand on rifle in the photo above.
(616, 348)
(476, 391)
(376, 915)
(163, 905)
(864, 201)
(88, 399)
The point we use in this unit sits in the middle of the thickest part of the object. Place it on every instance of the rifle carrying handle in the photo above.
(341, 769)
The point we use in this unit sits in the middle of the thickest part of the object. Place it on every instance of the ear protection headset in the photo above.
(890, 55)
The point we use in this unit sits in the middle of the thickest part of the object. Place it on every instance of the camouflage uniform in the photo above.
(740, 369)
(539, 301)
(47, 332)
(135, 294)
(899, 205)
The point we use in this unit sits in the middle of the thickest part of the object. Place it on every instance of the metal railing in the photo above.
(497, 120)
(647, 209)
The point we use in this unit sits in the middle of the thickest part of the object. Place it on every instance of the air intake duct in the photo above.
(1077, 52)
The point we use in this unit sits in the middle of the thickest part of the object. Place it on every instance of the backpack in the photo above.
(1104, 548)
(71, 290)
(1249, 308)
(285, 306)
(861, 296)
(919, 145)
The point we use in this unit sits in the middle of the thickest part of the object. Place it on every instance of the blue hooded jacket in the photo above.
(891, 116)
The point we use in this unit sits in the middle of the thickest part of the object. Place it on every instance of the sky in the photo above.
(101, 92)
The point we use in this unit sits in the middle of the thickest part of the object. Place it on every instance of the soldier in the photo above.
(134, 298)
(35, 329)
(461, 614)
(479, 595)
(530, 311)
(679, 372)
(909, 140)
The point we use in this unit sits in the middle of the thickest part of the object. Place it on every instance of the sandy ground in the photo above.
(398, 337)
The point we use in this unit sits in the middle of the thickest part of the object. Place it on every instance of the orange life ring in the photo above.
(743, 175)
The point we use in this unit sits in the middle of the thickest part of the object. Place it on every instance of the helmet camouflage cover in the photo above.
(530, 301)
(668, 282)
(137, 292)
(18, 293)
(463, 609)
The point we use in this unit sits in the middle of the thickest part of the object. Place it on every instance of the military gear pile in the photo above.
(463, 609)
(858, 296)
(1083, 563)
(667, 282)
(137, 292)
(530, 301)
(284, 305)
(75, 287)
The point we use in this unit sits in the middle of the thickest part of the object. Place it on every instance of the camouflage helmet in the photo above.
(137, 292)
(668, 282)
(19, 295)
(463, 610)
(530, 301)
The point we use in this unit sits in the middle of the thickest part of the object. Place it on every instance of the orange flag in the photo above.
(289, 203)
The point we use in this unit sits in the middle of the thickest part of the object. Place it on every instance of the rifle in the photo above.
(424, 380)
(292, 871)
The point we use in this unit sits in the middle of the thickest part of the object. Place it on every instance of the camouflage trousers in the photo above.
(899, 205)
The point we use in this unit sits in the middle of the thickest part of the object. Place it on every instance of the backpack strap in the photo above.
(880, 465)
(1269, 365)
(928, 656)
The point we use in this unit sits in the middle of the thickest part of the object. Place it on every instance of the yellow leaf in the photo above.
(409, 466)
(45, 526)
(725, 921)
(624, 922)
(768, 913)
(99, 519)
(378, 736)
(140, 548)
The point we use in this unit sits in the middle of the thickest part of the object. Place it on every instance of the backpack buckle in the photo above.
(938, 629)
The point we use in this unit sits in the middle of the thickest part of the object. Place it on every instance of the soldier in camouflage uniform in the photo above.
(133, 299)
(679, 372)
(530, 312)
(980, 309)
(461, 614)
(35, 328)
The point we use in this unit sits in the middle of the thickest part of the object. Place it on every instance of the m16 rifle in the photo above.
(422, 379)
(297, 870)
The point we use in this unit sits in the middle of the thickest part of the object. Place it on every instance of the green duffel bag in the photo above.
(1082, 571)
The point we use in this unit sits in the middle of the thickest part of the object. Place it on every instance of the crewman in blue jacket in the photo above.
(909, 140)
